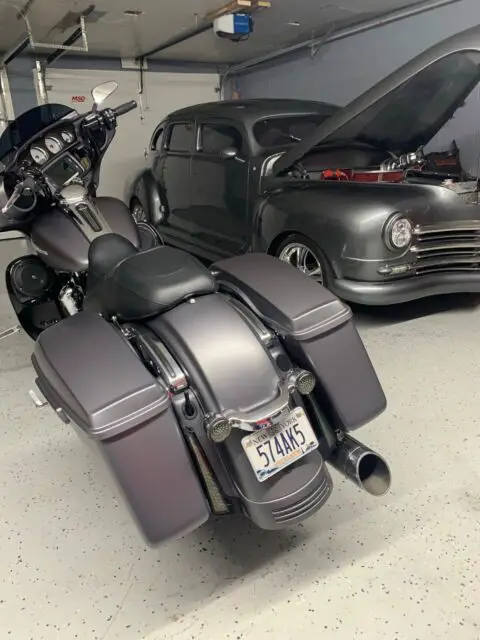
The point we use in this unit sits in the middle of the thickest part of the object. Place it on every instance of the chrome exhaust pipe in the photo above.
(365, 468)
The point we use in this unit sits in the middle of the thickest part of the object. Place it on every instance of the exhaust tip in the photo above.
(373, 474)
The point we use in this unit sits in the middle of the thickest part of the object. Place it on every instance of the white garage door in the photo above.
(163, 93)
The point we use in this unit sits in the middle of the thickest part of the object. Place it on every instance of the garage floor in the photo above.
(403, 567)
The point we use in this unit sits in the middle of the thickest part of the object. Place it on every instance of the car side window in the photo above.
(157, 138)
(181, 137)
(214, 138)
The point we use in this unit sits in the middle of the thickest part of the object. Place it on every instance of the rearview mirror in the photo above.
(229, 153)
(102, 91)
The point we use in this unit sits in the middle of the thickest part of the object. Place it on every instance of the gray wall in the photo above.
(345, 68)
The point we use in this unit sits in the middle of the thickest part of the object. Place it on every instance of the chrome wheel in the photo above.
(138, 212)
(302, 258)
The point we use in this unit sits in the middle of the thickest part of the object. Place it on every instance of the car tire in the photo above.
(138, 211)
(303, 254)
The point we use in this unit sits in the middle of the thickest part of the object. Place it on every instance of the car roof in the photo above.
(253, 110)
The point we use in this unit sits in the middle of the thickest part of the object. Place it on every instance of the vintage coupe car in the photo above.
(340, 193)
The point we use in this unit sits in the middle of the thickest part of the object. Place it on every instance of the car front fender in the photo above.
(346, 220)
(146, 190)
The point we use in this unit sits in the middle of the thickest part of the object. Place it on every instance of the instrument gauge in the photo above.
(39, 155)
(67, 137)
(53, 145)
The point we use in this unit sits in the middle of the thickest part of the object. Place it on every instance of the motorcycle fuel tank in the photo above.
(63, 245)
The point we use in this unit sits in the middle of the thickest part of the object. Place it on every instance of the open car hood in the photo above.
(406, 109)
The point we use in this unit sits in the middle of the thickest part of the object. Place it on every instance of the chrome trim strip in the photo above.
(448, 260)
(455, 246)
(466, 225)
(248, 421)
(265, 335)
(268, 164)
(172, 372)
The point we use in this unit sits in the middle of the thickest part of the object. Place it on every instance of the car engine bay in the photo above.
(363, 163)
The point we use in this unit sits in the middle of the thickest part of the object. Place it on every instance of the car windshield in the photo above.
(27, 125)
(284, 130)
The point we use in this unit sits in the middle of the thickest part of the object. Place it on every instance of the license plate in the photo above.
(275, 448)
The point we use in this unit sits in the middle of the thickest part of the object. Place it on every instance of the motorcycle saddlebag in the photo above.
(92, 377)
(316, 329)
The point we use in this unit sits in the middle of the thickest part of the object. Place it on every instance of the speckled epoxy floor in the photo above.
(404, 567)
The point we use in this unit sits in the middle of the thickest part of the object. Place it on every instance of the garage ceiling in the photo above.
(112, 33)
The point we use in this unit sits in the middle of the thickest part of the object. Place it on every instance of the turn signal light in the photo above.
(303, 381)
(218, 429)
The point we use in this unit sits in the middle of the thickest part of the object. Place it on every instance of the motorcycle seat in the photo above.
(135, 285)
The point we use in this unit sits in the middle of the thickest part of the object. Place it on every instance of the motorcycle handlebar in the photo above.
(96, 119)
(125, 108)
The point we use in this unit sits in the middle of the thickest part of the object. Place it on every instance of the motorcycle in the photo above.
(50, 159)
(206, 391)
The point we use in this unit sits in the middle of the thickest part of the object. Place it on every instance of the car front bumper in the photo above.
(405, 290)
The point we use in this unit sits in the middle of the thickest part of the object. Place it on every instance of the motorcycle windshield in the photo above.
(20, 130)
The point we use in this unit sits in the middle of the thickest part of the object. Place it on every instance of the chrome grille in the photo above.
(447, 248)
(304, 507)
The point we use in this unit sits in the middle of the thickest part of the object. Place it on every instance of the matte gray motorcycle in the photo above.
(207, 392)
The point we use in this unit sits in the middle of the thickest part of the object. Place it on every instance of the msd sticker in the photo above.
(78, 98)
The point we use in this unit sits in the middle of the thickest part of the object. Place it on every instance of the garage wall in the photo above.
(21, 80)
(344, 69)
(163, 93)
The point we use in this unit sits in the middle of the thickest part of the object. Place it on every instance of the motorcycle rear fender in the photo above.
(92, 377)
(232, 372)
(317, 331)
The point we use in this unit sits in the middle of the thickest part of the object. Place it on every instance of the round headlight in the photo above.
(399, 233)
